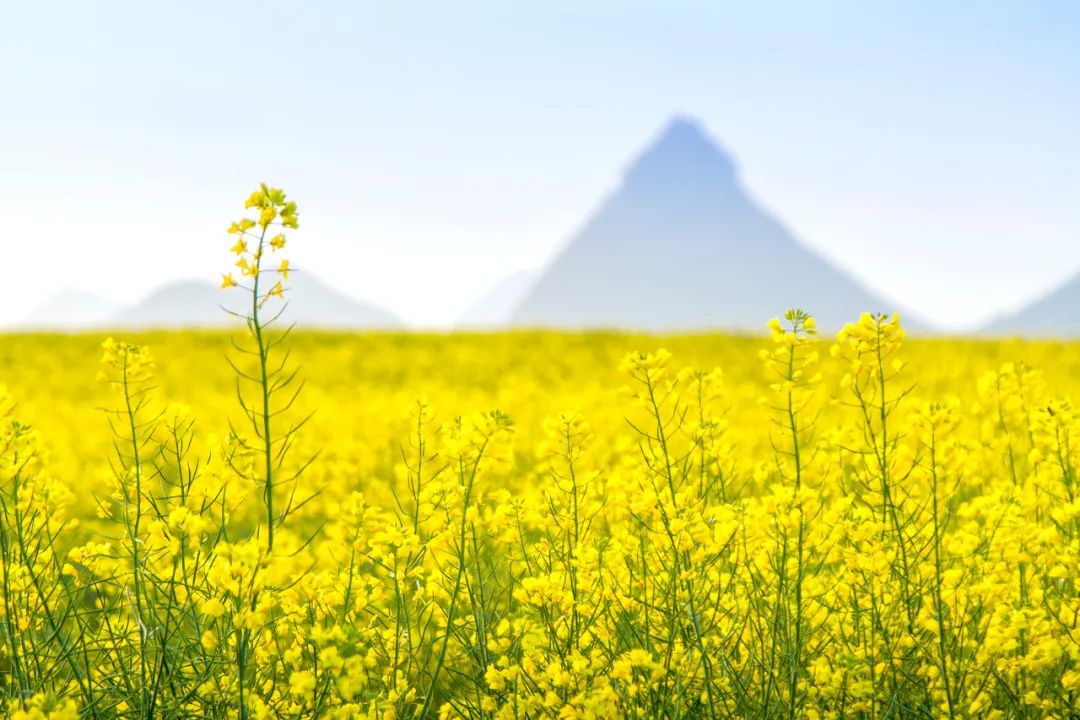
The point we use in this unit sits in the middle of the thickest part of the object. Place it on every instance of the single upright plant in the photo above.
(792, 364)
(265, 388)
(258, 239)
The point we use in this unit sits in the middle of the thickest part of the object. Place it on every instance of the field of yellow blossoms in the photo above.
(266, 524)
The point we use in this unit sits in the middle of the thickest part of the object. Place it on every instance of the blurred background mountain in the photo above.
(680, 245)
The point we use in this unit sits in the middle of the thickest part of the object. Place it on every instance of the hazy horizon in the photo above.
(435, 151)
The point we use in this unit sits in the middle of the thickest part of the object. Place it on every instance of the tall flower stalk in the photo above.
(259, 239)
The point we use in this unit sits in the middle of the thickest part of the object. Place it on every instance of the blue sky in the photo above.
(932, 149)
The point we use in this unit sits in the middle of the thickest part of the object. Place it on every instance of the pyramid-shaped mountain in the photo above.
(1057, 314)
(681, 246)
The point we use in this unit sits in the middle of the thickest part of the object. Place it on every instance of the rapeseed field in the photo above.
(274, 524)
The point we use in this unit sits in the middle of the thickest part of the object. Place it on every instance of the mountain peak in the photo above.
(682, 153)
(686, 126)
(682, 246)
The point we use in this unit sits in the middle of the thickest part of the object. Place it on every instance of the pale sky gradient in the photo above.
(933, 149)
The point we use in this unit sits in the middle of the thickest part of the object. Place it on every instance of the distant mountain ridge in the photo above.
(195, 304)
(199, 304)
(681, 246)
(69, 310)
